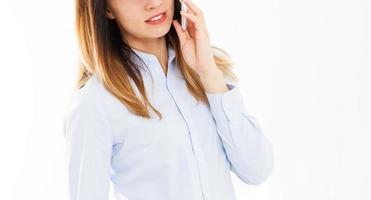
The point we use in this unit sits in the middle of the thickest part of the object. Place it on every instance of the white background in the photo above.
(304, 69)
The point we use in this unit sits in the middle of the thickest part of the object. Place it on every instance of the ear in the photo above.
(109, 14)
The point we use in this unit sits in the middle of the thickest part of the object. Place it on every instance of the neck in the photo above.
(152, 46)
(156, 47)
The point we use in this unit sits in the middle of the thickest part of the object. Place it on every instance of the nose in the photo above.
(152, 4)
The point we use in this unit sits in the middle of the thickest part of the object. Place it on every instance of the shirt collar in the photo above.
(148, 56)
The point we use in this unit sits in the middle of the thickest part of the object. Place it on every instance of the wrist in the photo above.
(213, 81)
(212, 72)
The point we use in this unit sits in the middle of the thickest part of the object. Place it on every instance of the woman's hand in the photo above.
(194, 42)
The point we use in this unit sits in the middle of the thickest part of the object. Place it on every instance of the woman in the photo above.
(202, 130)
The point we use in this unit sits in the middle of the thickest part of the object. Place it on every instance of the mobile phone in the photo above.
(183, 20)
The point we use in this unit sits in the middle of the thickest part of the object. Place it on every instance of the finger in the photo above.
(191, 17)
(183, 35)
(191, 12)
(187, 9)
(190, 5)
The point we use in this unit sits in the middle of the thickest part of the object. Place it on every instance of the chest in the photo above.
(186, 122)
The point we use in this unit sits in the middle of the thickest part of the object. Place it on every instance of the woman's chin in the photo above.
(159, 31)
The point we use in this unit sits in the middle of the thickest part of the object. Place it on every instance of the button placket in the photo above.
(196, 146)
(155, 67)
(199, 155)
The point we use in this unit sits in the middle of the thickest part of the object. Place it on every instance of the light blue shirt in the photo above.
(188, 155)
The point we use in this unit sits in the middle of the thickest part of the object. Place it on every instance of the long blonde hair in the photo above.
(104, 53)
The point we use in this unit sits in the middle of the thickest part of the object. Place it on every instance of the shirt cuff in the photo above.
(228, 105)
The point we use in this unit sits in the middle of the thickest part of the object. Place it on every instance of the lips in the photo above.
(155, 16)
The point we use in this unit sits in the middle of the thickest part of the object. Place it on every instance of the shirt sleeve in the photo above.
(88, 154)
(248, 150)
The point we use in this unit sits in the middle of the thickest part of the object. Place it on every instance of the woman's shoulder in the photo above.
(94, 99)
(85, 101)
(87, 111)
